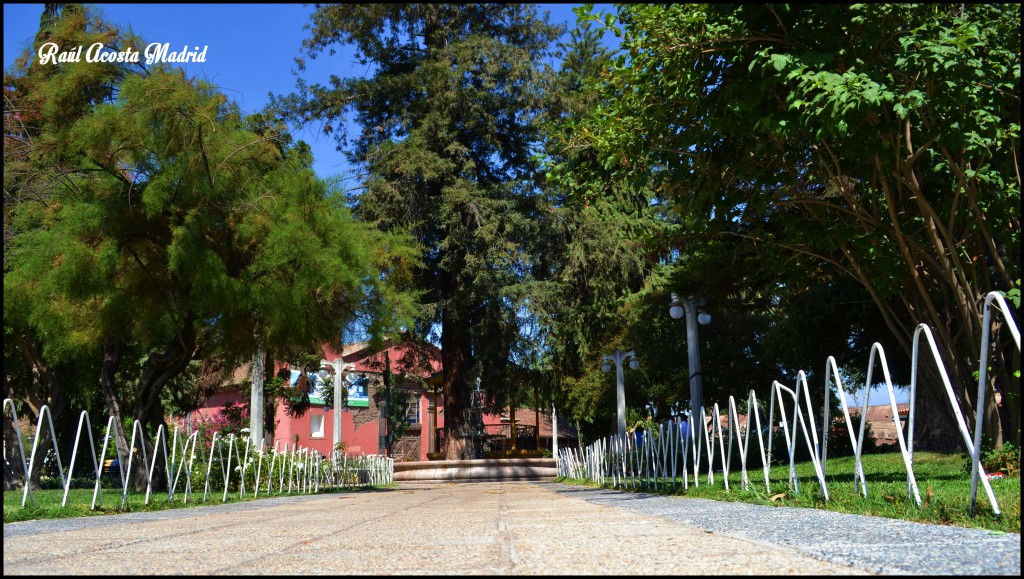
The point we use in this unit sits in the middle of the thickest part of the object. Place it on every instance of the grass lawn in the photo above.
(47, 502)
(944, 487)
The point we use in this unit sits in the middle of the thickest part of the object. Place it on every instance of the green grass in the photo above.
(47, 504)
(944, 487)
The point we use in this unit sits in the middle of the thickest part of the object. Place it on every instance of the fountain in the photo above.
(477, 468)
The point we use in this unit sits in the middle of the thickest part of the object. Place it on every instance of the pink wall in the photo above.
(366, 438)
(358, 441)
(363, 440)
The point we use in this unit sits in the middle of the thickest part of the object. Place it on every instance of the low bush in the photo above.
(1005, 459)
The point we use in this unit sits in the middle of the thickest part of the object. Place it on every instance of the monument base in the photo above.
(479, 470)
(518, 453)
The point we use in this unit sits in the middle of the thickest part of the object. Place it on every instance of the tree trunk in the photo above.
(936, 427)
(964, 377)
(1009, 400)
(269, 405)
(1002, 411)
(45, 392)
(934, 422)
(157, 370)
(256, 410)
(389, 415)
(111, 360)
(14, 469)
(455, 358)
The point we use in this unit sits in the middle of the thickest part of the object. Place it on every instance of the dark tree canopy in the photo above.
(878, 143)
(447, 132)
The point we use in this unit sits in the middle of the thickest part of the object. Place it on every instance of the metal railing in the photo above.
(626, 462)
(302, 470)
(500, 436)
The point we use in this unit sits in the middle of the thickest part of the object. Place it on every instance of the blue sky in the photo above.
(251, 50)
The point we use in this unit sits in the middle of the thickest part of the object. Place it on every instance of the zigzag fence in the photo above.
(284, 470)
(665, 456)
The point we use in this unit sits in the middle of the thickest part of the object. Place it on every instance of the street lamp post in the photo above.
(620, 391)
(339, 370)
(693, 317)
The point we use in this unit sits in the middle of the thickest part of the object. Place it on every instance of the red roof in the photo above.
(423, 360)
(882, 412)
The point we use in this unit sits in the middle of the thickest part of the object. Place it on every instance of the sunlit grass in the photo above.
(944, 489)
(47, 503)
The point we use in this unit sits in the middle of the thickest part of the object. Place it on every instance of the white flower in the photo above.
(245, 430)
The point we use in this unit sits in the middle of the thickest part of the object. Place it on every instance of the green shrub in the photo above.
(49, 483)
(1005, 460)
(839, 439)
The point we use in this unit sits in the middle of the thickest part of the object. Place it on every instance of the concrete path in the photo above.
(506, 528)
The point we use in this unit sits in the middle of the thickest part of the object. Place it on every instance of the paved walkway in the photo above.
(507, 528)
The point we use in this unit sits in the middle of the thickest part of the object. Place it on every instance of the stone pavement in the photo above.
(506, 528)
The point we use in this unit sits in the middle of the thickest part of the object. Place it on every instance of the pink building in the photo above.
(415, 372)
(416, 376)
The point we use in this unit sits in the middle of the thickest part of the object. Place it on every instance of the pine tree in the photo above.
(446, 138)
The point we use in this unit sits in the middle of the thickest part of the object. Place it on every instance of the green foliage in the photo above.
(231, 426)
(1005, 460)
(446, 134)
(174, 227)
(78, 482)
(1013, 295)
(874, 144)
(636, 421)
(601, 241)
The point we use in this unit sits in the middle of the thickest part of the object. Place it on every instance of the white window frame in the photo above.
(314, 431)
(413, 402)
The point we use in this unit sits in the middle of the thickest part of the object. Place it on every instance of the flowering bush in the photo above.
(230, 423)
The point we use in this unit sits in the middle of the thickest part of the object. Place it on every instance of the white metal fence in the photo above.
(287, 470)
(663, 456)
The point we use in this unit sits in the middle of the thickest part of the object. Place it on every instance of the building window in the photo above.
(412, 409)
(316, 425)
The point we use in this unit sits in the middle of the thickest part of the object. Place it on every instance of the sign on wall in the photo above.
(358, 387)
(358, 391)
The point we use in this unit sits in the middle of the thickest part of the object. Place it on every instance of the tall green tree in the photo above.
(39, 110)
(446, 135)
(176, 228)
(879, 141)
(602, 247)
